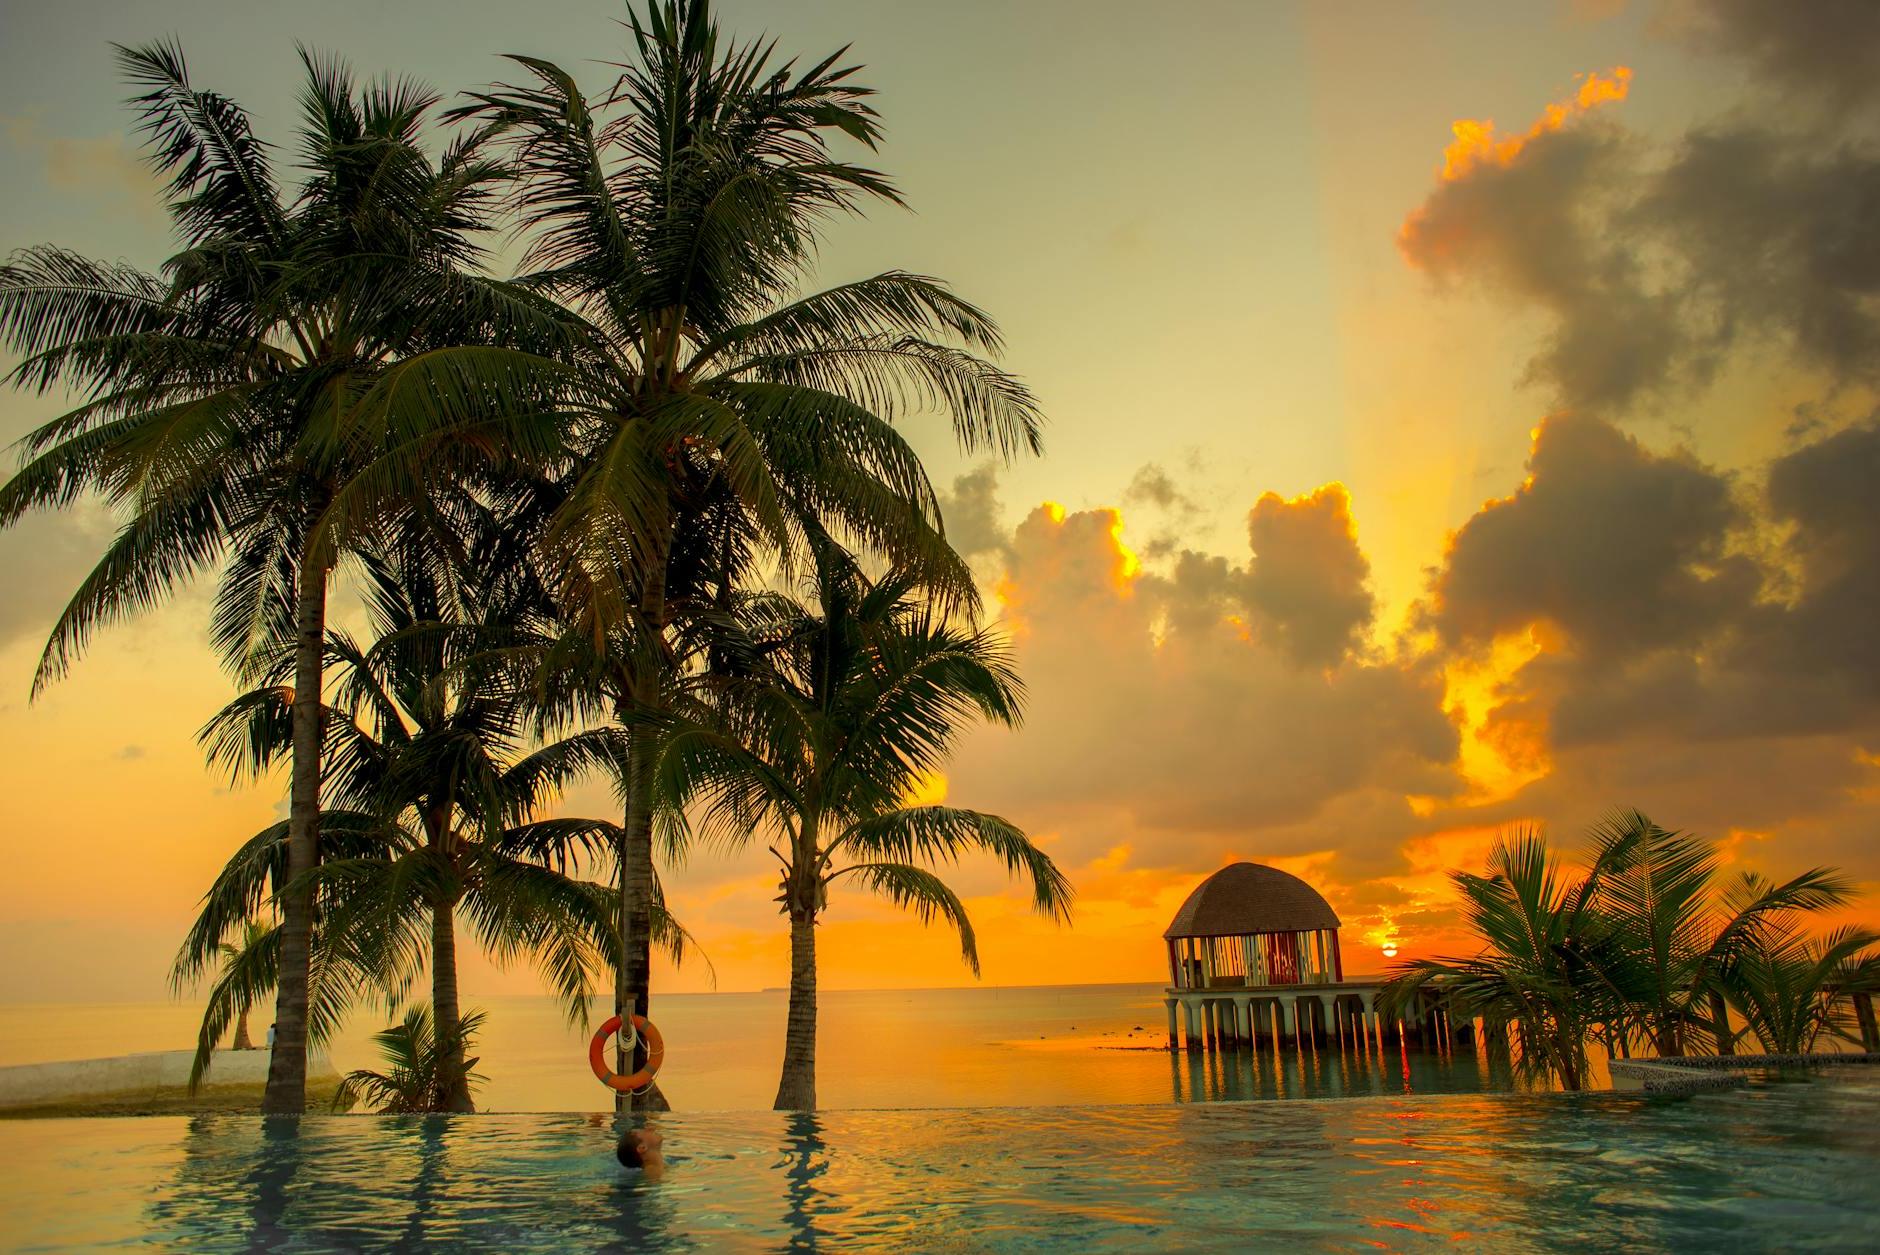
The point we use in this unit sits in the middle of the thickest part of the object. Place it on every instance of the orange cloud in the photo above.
(1502, 749)
(1476, 143)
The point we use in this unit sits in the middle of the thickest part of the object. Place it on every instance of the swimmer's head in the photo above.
(636, 1145)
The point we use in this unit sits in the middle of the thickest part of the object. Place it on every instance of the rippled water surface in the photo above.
(1783, 1165)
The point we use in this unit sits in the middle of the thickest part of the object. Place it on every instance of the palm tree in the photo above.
(426, 1066)
(857, 702)
(255, 876)
(675, 220)
(294, 340)
(235, 956)
(1683, 943)
(1793, 989)
(425, 737)
(1550, 966)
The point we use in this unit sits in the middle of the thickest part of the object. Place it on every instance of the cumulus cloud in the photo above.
(1307, 581)
(971, 511)
(1155, 486)
(1826, 49)
(1661, 617)
(1654, 262)
(1159, 715)
(1774, 239)
(1828, 494)
(1621, 549)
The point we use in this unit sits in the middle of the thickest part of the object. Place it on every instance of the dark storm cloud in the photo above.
(1829, 492)
(1676, 623)
(1654, 263)
(1622, 549)
(1537, 230)
(1774, 238)
(1826, 49)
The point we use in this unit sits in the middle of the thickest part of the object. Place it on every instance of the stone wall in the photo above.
(1691, 1073)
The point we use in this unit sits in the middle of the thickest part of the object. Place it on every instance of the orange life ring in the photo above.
(655, 1055)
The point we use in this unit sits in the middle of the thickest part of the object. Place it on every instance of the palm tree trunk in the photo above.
(286, 1092)
(633, 977)
(242, 1040)
(632, 990)
(796, 1091)
(1569, 1060)
(445, 1012)
(1720, 1024)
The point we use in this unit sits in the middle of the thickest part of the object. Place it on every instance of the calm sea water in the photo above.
(1778, 1167)
(1064, 1045)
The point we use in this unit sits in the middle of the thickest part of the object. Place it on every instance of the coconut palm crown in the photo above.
(674, 218)
(298, 335)
(826, 748)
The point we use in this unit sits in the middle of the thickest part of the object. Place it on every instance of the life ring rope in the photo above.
(639, 1028)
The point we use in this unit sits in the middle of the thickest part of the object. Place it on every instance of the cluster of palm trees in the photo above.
(641, 509)
(1647, 947)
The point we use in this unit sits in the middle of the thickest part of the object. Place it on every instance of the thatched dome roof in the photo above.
(1244, 898)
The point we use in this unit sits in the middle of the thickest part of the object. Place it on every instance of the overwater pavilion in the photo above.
(1253, 955)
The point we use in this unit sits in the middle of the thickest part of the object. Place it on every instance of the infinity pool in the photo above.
(1784, 1164)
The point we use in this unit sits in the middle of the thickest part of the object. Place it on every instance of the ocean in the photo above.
(1010, 1046)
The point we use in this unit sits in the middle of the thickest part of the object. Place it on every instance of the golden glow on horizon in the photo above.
(1477, 145)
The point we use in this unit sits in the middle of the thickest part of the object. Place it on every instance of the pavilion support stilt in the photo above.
(1174, 1037)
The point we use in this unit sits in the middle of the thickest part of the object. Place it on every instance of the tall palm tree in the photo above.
(235, 956)
(1550, 966)
(858, 701)
(255, 877)
(676, 219)
(297, 337)
(1682, 938)
(426, 736)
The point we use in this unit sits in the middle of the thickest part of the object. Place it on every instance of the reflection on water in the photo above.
(1781, 1165)
(1075, 1044)
(1336, 1070)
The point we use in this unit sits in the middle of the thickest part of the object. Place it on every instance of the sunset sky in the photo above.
(1461, 416)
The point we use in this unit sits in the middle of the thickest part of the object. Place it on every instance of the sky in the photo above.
(1461, 417)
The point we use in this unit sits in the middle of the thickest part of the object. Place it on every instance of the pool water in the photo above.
(1785, 1164)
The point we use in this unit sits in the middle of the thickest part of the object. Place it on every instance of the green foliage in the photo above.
(1642, 947)
(555, 493)
(424, 1068)
(1550, 965)
(853, 704)
(1792, 989)
(1684, 939)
